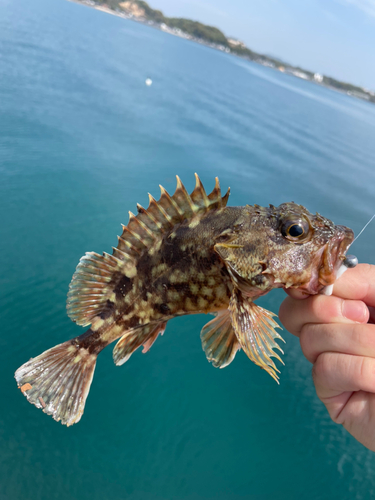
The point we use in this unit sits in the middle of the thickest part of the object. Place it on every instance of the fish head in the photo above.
(284, 247)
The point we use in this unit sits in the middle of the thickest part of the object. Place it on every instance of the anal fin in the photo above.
(132, 339)
(255, 330)
(219, 341)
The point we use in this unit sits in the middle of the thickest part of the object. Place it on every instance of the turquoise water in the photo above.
(82, 140)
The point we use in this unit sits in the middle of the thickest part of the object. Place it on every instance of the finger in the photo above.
(371, 311)
(335, 373)
(354, 339)
(296, 294)
(357, 283)
(354, 412)
(294, 314)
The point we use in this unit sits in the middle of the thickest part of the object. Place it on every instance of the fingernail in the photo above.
(355, 310)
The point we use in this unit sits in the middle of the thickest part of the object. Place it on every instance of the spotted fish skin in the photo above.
(185, 254)
(175, 272)
(186, 274)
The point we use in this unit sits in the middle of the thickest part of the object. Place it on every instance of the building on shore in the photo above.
(318, 78)
(236, 43)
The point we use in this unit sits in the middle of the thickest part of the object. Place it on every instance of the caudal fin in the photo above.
(58, 381)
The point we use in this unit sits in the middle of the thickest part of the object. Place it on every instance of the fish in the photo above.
(186, 254)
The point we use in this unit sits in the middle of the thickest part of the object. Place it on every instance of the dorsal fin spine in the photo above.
(111, 259)
(183, 199)
(123, 247)
(167, 204)
(199, 195)
(178, 209)
(147, 221)
(132, 234)
(199, 187)
(175, 205)
(216, 192)
(128, 246)
(162, 211)
(145, 228)
(180, 185)
(224, 199)
(154, 220)
(136, 225)
(181, 188)
(146, 231)
(216, 201)
(134, 238)
(157, 210)
(122, 255)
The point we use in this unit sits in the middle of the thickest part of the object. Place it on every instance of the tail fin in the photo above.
(58, 380)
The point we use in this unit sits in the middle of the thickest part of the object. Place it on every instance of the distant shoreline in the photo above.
(141, 12)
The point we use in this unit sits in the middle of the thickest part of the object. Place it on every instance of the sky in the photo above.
(332, 37)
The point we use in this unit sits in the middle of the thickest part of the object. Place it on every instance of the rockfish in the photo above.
(185, 254)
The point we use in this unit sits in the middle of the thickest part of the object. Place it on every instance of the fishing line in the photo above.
(358, 235)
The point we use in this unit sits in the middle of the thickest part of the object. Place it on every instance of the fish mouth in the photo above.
(334, 255)
(328, 261)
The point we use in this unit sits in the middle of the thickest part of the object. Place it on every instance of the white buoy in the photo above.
(148, 82)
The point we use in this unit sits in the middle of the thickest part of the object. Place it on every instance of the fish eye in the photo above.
(295, 230)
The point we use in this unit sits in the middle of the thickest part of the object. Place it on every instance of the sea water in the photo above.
(82, 140)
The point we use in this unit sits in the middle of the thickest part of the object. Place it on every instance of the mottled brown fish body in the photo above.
(185, 275)
(185, 254)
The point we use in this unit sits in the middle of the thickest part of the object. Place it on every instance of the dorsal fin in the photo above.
(96, 275)
(145, 228)
(89, 289)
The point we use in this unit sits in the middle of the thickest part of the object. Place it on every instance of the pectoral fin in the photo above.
(255, 330)
(219, 341)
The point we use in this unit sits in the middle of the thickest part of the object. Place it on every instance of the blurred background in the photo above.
(82, 140)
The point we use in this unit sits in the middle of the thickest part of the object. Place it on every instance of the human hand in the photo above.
(337, 335)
